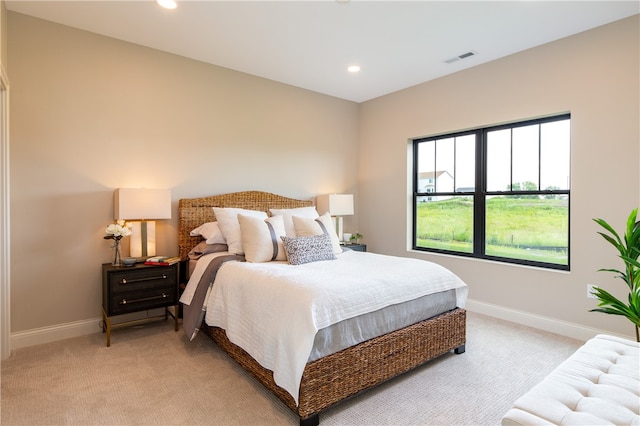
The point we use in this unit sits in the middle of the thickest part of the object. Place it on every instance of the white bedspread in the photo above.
(273, 310)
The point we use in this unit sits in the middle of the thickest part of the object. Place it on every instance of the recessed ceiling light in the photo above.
(167, 4)
(353, 68)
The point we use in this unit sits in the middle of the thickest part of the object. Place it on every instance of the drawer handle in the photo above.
(144, 299)
(137, 280)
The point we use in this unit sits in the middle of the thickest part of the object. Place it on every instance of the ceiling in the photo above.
(310, 44)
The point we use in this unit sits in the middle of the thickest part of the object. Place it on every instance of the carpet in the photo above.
(152, 375)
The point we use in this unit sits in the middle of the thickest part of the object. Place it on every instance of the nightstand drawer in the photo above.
(141, 287)
(357, 247)
(137, 300)
(140, 279)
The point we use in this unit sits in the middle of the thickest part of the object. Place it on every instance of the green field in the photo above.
(520, 228)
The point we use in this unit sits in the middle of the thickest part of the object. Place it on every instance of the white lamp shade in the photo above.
(140, 204)
(335, 204)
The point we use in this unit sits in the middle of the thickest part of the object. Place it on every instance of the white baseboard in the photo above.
(42, 335)
(38, 336)
(552, 325)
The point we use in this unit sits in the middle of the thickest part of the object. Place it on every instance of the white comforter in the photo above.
(273, 310)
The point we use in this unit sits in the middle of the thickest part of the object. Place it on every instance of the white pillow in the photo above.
(230, 227)
(210, 231)
(309, 212)
(306, 227)
(261, 238)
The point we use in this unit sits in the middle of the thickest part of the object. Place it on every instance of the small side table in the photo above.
(127, 289)
(357, 247)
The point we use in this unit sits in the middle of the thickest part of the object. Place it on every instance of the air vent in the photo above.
(463, 56)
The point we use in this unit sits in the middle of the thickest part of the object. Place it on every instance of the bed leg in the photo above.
(459, 350)
(310, 421)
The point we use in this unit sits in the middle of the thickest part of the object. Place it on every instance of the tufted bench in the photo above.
(599, 384)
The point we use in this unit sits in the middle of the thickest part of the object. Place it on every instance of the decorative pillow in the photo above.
(203, 248)
(308, 249)
(227, 218)
(322, 225)
(210, 231)
(309, 212)
(261, 238)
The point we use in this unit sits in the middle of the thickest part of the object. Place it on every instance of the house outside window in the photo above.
(500, 193)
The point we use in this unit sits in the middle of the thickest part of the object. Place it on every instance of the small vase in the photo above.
(117, 257)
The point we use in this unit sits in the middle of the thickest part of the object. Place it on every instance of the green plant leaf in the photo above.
(629, 251)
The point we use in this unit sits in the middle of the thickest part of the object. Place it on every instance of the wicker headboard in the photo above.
(193, 212)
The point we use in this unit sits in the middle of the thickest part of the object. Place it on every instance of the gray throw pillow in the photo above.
(308, 249)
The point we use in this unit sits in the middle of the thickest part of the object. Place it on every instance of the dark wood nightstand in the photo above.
(357, 247)
(127, 289)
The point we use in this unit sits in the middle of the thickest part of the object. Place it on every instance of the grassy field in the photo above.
(529, 229)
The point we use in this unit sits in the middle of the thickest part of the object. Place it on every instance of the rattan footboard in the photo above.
(335, 377)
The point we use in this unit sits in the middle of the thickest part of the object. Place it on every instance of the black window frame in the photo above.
(480, 194)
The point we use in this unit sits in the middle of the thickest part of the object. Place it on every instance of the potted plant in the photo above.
(355, 238)
(629, 250)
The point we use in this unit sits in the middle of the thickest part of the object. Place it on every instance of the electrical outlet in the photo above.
(590, 294)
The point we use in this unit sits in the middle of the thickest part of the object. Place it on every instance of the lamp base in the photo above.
(142, 240)
(339, 227)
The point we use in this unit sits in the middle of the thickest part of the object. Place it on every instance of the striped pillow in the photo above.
(227, 218)
(305, 227)
(261, 238)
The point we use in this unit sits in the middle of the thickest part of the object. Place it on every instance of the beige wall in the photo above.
(90, 114)
(593, 75)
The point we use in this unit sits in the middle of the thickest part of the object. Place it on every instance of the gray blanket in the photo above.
(193, 314)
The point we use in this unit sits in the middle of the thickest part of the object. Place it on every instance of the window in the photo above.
(499, 193)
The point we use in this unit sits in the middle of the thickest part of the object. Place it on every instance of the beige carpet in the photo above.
(152, 375)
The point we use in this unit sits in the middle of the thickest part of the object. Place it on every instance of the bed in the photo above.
(330, 378)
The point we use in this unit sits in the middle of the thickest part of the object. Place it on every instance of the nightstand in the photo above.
(127, 289)
(357, 247)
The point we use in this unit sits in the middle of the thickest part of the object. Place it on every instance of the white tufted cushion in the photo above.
(599, 384)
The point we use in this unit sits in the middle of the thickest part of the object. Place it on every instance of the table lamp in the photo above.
(137, 206)
(337, 205)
